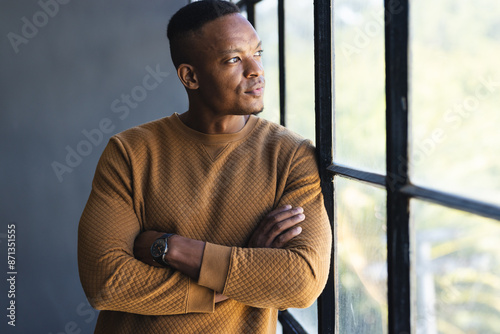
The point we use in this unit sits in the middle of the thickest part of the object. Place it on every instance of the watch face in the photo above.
(158, 248)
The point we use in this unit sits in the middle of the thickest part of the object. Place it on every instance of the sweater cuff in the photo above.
(200, 299)
(215, 266)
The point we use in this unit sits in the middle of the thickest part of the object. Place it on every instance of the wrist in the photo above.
(170, 255)
(185, 255)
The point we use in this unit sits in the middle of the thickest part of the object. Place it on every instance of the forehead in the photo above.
(228, 32)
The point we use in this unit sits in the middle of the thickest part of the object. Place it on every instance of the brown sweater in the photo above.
(167, 177)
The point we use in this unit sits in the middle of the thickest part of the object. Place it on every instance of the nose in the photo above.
(253, 68)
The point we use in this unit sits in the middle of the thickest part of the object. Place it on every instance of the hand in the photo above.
(142, 247)
(277, 228)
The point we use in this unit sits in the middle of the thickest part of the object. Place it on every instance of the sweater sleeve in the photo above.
(279, 278)
(110, 275)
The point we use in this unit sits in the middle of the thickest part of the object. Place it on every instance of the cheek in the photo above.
(222, 84)
(229, 79)
(228, 87)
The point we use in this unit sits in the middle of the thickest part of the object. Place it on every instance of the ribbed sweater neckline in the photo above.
(214, 138)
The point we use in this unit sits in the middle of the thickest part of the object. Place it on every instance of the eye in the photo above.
(258, 53)
(233, 60)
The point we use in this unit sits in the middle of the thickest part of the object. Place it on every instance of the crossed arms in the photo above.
(185, 255)
(291, 262)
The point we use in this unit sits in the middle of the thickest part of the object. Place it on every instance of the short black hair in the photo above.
(190, 18)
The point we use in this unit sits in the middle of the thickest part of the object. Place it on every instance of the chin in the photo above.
(258, 111)
(247, 111)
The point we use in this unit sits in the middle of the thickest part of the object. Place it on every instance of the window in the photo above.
(417, 217)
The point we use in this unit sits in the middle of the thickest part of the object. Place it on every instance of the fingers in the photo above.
(283, 238)
(278, 227)
(280, 220)
(279, 210)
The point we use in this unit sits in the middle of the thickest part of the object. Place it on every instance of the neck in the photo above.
(212, 124)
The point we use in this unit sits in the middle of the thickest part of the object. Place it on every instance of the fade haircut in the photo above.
(188, 20)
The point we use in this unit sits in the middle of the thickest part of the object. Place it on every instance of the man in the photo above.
(211, 220)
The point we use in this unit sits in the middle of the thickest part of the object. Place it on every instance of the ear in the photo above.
(187, 74)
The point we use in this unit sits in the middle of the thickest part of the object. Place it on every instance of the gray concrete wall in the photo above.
(67, 68)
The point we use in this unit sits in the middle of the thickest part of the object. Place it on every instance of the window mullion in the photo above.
(281, 56)
(323, 68)
(398, 231)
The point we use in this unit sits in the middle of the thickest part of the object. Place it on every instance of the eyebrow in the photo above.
(224, 52)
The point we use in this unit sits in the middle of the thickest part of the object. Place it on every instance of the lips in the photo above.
(256, 90)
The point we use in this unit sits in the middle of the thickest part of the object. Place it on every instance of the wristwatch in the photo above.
(159, 248)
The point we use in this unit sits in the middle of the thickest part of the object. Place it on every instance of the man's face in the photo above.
(229, 67)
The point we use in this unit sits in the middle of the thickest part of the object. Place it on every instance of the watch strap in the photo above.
(166, 236)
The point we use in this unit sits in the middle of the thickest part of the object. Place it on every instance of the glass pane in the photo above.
(361, 263)
(266, 21)
(279, 328)
(360, 83)
(457, 271)
(307, 318)
(455, 96)
(299, 62)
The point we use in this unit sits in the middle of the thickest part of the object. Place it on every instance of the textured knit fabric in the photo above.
(167, 177)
